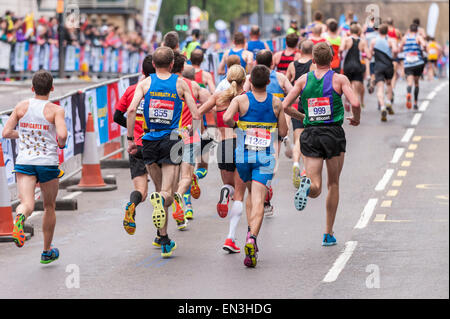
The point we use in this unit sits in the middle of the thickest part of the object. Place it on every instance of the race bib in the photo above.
(161, 111)
(257, 138)
(412, 57)
(319, 109)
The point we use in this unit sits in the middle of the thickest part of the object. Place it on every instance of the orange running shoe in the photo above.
(195, 187)
(18, 232)
(408, 100)
(177, 206)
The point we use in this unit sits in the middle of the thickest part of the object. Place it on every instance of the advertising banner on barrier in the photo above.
(79, 122)
(5, 55)
(113, 97)
(90, 103)
(20, 52)
(102, 114)
(69, 149)
(8, 152)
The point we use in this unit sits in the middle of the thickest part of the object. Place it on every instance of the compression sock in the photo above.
(136, 198)
(201, 172)
(416, 93)
(235, 215)
(409, 89)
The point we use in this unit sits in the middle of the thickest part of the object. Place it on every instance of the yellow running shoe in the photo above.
(129, 223)
(159, 213)
(296, 176)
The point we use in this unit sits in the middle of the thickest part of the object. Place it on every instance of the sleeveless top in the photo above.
(383, 53)
(335, 44)
(162, 107)
(412, 52)
(321, 103)
(255, 46)
(301, 68)
(239, 54)
(257, 126)
(186, 116)
(285, 61)
(433, 52)
(352, 62)
(274, 87)
(199, 79)
(37, 137)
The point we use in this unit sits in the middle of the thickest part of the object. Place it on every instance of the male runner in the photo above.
(282, 59)
(383, 49)
(203, 78)
(171, 40)
(295, 71)
(412, 45)
(316, 35)
(260, 115)
(164, 93)
(371, 33)
(395, 35)
(323, 138)
(255, 44)
(224, 84)
(137, 166)
(334, 39)
(245, 56)
(434, 52)
(42, 129)
(318, 17)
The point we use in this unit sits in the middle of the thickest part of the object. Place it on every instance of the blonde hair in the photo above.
(235, 76)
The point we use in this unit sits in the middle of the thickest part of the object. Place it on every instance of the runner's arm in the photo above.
(353, 99)
(131, 116)
(210, 81)
(290, 72)
(9, 129)
(203, 95)
(209, 105)
(282, 124)
(188, 99)
(249, 62)
(231, 110)
(121, 109)
(221, 69)
(60, 125)
(291, 97)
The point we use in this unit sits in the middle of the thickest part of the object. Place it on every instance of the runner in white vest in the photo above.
(41, 130)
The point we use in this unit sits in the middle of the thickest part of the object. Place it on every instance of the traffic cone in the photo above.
(91, 175)
(6, 219)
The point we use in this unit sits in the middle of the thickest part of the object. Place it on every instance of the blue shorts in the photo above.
(43, 174)
(255, 166)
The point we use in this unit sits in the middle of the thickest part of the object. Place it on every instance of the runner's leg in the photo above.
(49, 193)
(314, 167)
(26, 185)
(334, 168)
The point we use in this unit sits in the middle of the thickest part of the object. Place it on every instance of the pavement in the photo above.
(392, 228)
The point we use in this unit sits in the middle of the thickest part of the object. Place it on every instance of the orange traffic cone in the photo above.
(91, 175)
(6, 220)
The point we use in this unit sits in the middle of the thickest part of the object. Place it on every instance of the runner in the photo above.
(224, 84)
(137, 166)
(334, 39)
(163, 94)
(260, 115)
(371, 33)
(203, 78)
(295, 71)
(192, 44)
(171, 40)
(316, 35)
(383, 49)
(412, 44)
(318, 17)
(244, 55)
(323, 138)
(354, 70)
(345, 28)
(233, 187)
(255, 44)
(434, 52)
(282, 59)
(42, 129)
(395, 35)
(279, 86)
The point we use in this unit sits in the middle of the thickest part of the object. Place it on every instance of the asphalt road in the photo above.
(400, 249)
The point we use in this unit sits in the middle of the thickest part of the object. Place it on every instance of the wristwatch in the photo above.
(130, 138)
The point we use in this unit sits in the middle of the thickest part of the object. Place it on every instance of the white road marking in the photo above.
(408, 134)
(423, 107)
(73, 195)
(340, 262)
(384, 180)
(397, 154)
(416, 119)
(366, 213)
(431, 95)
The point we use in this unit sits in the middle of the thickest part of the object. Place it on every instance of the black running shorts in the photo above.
(137, 165)
(415, 70)
(163, 151)
(226, 156)
(354, 76)
(323, 141)
(381, 75)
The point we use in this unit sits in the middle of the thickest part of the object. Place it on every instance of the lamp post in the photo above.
(60, 14)
(261, 15)
(308, 10)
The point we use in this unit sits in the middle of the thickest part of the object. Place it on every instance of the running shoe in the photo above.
(159, 213)
(416, 107)
(201, 172)
(231, 247)
(129, 223)
(182, 225)
(390, 109)
(269, 194)
(301, 196)
(222, 206)
(187, 199)
(408, 100)
(189, 214)
(392, 99)
(303, 173)
(268, 209)
(383, 116)
(49, 256)
(157, 241)
(248, 237)
(250, 253)
(18, 232)
(296, 176)
(195, 187)
(177, 207)
(167, 249)
(328, 240)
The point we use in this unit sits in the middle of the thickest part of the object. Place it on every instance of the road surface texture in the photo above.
(392, 228)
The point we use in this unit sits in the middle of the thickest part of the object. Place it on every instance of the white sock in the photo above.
(230, 188)
(235, 215)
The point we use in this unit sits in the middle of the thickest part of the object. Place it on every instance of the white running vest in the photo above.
(37, 137)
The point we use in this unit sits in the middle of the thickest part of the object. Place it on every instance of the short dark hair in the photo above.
(147, 66)
(239, 38)
(318, 16)
(178, 62)
(42, 82)
(383, 29)
(171, 40)
(333, 25)
(413, 27)
(264, 57)
(189, 73)
(196, 33)
(292, 40)
(260, 76)
(163, 57)
(306, 47)
(416, 21)
(255, 30)
(322, 54)
(197, 57)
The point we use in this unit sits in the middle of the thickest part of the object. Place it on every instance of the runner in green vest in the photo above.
(193, 44)
(323, 138)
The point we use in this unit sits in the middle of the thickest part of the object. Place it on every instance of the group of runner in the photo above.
(305, 88)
